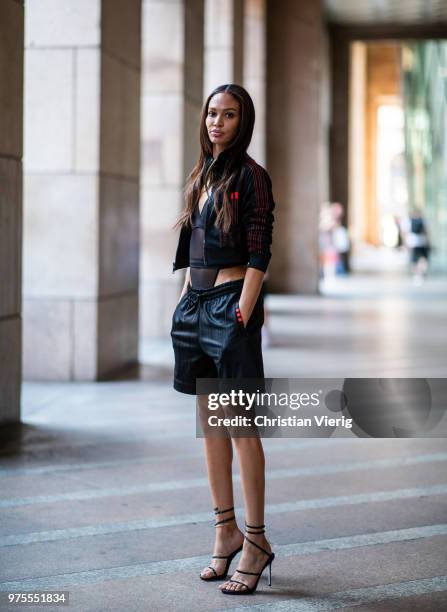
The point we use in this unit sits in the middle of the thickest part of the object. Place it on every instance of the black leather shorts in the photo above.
(210, 341)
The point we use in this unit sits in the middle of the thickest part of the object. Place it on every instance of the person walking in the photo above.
(226, 230)
(418, 243)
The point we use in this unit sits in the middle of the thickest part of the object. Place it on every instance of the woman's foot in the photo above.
(228, 538)
(252, 560)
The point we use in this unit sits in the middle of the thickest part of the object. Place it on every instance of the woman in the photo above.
(225, 238)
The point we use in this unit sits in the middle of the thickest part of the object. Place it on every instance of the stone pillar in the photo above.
(254, 71)
(171, 102)
(357, 143)
(81, 213)
(224, 43)
(11, 150)
(294, 72)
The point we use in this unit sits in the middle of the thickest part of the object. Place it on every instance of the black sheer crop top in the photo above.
(201, 276)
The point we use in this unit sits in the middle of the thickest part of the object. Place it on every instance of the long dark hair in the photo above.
(236, 150)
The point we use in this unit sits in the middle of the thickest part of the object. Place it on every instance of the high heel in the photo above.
(229, 557)
(249, 590)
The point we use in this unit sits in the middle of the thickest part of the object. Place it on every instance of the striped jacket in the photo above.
(250, 237)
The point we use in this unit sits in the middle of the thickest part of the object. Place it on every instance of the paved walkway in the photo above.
(103, 491)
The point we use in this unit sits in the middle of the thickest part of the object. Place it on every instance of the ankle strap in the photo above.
(217, 511)
(256, 529)
(227, 520)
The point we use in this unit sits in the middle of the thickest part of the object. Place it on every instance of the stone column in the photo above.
(294, 73)
(171, 102)
(254, 71)
(224, 43)
(81, 214)
(357, 143)
(11, 150)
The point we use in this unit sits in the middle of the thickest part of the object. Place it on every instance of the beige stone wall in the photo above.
(119, 186)
(11, 121)
(171, 102)
(254, 71)
(211, 42)
(81, 198)
(295, 69)
(356, 149)
(325, 120)
(382, 80)
(193, 82)
(224, 43)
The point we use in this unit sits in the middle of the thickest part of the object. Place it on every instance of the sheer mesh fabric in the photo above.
(201, 276)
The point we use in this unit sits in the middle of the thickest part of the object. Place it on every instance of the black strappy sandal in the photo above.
(228, 557)
(249, 590)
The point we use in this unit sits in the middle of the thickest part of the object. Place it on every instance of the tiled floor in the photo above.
(103, 490)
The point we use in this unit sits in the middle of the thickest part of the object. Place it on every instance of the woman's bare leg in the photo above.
(219, 458)
(252, 469)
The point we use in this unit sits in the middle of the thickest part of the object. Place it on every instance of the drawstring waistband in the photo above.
(195, 295)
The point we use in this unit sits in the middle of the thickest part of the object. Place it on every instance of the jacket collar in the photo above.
(220, 160)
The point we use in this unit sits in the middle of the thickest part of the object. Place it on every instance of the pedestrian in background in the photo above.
(418, 244)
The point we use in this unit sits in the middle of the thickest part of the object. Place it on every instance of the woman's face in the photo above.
(222, 120)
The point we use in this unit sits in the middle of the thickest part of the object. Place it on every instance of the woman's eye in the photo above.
(229, 115)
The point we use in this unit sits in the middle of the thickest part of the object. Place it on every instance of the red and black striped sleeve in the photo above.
(257, 217)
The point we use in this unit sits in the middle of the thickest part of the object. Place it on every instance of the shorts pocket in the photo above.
(241, 326)
(256, 318)
(238, 313)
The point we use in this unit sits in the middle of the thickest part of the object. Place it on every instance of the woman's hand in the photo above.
(245, 314)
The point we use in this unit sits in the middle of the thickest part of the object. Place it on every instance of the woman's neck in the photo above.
(217, 149)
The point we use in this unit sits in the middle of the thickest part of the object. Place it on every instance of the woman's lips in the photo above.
(216, 133)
